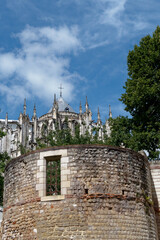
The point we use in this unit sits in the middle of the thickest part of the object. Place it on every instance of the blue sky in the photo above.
(81, 44)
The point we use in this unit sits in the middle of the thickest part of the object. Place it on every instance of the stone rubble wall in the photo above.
(108, 197)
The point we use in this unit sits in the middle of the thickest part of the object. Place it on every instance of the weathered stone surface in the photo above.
(155, 180)
(109, 197)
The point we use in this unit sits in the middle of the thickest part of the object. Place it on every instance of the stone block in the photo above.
(40, 186)
(65, 184)
(41, 174)
(64, 160)
(42, 180)
(64, 166)
(63, 191)
(41, 162)
(64, 178)
(65, 172)
(60, 152)
(42, 168)
(42, 193)
(53, 198)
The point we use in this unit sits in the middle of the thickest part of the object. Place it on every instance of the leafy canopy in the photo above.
(142, 93)
(142, 96)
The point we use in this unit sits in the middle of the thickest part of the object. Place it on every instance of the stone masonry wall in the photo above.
(155, 175)
(106, 194)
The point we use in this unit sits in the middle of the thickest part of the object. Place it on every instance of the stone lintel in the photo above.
(52, 198)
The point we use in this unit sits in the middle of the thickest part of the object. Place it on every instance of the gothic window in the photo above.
(51, 126)
(39, 130)
(44, 130)
(53, 176)
(65, 124)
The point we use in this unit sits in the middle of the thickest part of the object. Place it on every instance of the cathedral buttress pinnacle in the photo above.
(6, 119)
(54, 103)
(110, 113)
(34, 111)
(86, 105)
(98, 117)
(24, 107)
(98, 114)
(80, 108)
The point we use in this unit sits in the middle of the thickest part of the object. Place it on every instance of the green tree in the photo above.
(124, 133)
(3, 159)
(120, 131)
(142, 93)
(2, 134)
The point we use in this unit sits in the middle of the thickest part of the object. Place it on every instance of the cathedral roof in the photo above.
(63, 106)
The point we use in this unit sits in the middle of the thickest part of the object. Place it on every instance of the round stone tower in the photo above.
(78, 192)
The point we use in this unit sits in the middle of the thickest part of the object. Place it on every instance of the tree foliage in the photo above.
(121, 131)
(3, 159)
(65, 137)
(124, 133)
(2, 134)
(142, 93)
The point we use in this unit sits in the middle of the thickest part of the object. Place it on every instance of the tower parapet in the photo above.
(93, 190)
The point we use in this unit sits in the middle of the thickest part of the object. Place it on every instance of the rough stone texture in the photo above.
(109, 197)
(155, 174)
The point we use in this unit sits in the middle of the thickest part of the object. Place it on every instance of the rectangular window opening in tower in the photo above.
(53, 176)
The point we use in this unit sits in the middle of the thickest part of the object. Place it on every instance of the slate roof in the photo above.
(63, 106)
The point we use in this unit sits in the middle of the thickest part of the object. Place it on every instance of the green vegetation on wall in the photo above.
(64, 137)
(3, 160)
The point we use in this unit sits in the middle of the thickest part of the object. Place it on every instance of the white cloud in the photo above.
(124, 16)
(46, 39)
(11, 93)
(41, 64)
(140, 24)
(100, 44)
(9, 64)
(112, 13)
(110, 20)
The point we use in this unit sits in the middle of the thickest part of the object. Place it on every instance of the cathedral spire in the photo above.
(80, 108)
(34, 111)
(55, 108)
(98, 117)
(24, 107)
(86, 101)
(54, 103)
(110, 113)
(6, 119)
(86, 105)
(61, 90)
